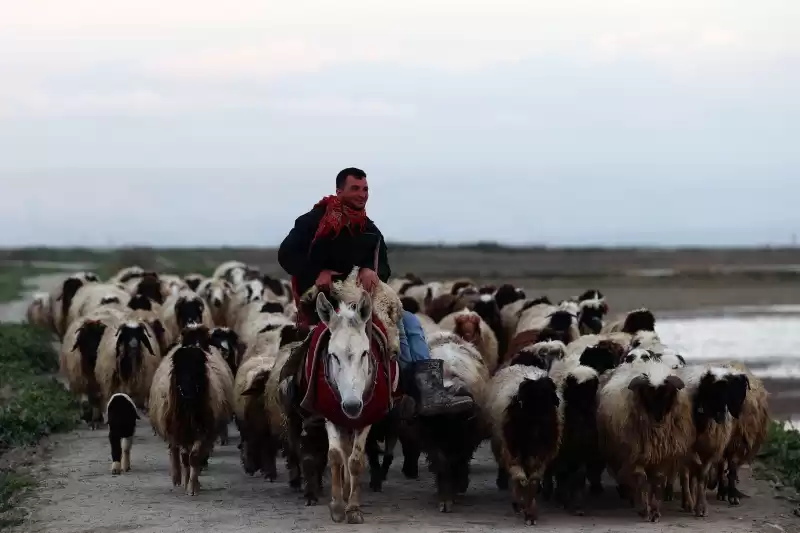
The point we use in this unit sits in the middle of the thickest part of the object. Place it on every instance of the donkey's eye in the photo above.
(364, 354)
(335, 358)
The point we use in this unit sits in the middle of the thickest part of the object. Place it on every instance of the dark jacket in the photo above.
(299, 258)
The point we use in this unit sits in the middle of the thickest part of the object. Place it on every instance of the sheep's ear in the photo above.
(325, 310)
(676, 382)
(638, 382)
(364, 306)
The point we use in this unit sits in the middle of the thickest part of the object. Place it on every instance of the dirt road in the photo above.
(77, 494)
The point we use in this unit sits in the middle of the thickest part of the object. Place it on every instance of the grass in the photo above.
(780, 455)
(33, 404)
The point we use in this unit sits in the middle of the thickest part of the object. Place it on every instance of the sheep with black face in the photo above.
(526, 416)
(61, 298)
(191, 397)
(127, 360)
(644, 420)
(182, 309)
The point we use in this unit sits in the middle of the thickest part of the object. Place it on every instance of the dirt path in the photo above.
(77, 494)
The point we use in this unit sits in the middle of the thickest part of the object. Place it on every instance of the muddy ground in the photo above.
(77, 494)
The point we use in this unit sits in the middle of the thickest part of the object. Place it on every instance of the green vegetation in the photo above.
(33, 404)
(781, 455)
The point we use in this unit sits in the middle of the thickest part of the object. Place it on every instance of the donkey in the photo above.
(351, 369)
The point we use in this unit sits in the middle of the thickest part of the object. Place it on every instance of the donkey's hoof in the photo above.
(355, 516)
(337, 512)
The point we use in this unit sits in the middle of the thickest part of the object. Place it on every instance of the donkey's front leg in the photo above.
(336, 459)
(356, 465)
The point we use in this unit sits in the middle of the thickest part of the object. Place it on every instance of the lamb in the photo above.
(39, 312)
(127, 361)
(526, 420)
(191, 397)
(121, 415)
(542, 315)
(231, 348)
(449, 441)
(748, 398)
(181, 309)
(470, 326)
(644, 419)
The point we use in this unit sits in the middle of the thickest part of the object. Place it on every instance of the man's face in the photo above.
(354, 193)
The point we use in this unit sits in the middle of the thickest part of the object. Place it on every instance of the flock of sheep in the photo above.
(562, 393)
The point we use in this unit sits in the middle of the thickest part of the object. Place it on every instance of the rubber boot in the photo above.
(433, 398)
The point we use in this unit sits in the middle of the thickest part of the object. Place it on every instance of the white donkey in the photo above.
(351, 368)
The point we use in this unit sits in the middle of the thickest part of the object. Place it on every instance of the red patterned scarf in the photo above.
(337, 217)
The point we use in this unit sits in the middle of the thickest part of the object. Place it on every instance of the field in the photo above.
(662, 279)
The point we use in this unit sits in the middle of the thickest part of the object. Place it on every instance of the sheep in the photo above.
(127, 361)
(542, 315)
(748, 398)
(121, 416)
(141, 307)
(39, 312)
(708, 387)
(527, 339)
(449, 441)
(439, 307)
(591, 311)
(486, 307)
(275, 290)
(579, 455)
(231, 271)
(470, 326)
(124, 275)
(90, 297)
(193, 280)
(259, 439)
(644, 418)
(217, 293)
(78, 356)
(641, 319)
(61, 298)
(151, 285)
(191, 397)
(231, 348)
(526, 420)
(181, 309)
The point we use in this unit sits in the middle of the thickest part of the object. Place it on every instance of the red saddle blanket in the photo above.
(321, 395)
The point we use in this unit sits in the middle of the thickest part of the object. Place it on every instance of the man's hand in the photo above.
(325, 279)
(368, 279)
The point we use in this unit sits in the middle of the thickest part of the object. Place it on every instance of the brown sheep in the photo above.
(526, 416)
(645, 425)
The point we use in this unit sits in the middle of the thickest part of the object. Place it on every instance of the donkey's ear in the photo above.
(324, 309)
(364, 306)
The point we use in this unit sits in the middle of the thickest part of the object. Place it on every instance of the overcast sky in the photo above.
(559, 122)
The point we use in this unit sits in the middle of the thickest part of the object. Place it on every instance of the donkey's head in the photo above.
(349, 364)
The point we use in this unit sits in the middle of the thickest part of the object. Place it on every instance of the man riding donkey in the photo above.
(324, 246)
